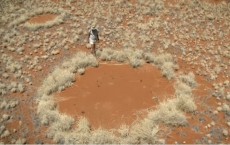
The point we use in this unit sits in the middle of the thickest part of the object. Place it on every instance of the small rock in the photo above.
(55, 52)
(228, 123)
(21, 141)
(219, 109)
(20, 123)
(210, 16)
(208, 135)
(228, 97)
(226, 83)
(225, 132)
(213, 123)
(39, 68)
(209, 141)
(161, 141)
(88, 46)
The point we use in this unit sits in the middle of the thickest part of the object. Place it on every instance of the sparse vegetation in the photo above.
(191, 33)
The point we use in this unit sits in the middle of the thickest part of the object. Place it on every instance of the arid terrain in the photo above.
(161, 73)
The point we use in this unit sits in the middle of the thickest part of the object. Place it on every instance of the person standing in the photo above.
(93, 39)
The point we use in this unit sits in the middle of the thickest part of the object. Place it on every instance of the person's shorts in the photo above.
(92, 41)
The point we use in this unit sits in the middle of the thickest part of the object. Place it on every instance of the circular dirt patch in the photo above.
(112, 95)
(44, 18)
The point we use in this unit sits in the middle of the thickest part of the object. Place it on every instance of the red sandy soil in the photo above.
(112, 94)
(42, 18)
(113, 85)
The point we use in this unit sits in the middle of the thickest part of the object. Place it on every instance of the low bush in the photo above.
(168, 114)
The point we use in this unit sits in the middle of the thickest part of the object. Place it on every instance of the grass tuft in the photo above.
(101, 136)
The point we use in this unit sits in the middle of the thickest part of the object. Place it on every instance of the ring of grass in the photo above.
(169, 112)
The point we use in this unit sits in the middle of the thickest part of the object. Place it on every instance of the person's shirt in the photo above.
(93, 34)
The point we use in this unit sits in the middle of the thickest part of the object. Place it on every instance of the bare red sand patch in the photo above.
(112, 95)
(42, 18)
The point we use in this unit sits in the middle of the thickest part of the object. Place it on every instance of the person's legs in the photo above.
(93, 49)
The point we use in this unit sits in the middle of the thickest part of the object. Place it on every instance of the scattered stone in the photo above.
(161, 141)
(39, 68)
(55, 52)
(219, 109)
(21, 141)
(213, 123)
(88, 45)
(228, 97)
(228, 123)
(225, 132)
(209, 141)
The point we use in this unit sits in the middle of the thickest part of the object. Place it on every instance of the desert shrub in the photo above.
(83, 125)
(135, 57)
(167, 65)
(226, 108)
(188, 79)
(3, 104)
(143, 132)
(20, 88)
(101, 136)
(8, 104)
(58, 129)
(120, 56)
(48, 116)
(108, 54)
(2, 129)
(149, 57)
(185, 103)
(162, 58)
(168, 114)
(57, 81)
(11, 65)
(58, 137)
(123, 131)
(81, 71)
(46, 105)
(6, 133)
(81, 60)
(3, 89)
(168, 69)
(77, 138)
(136, 62)
(182, 89)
